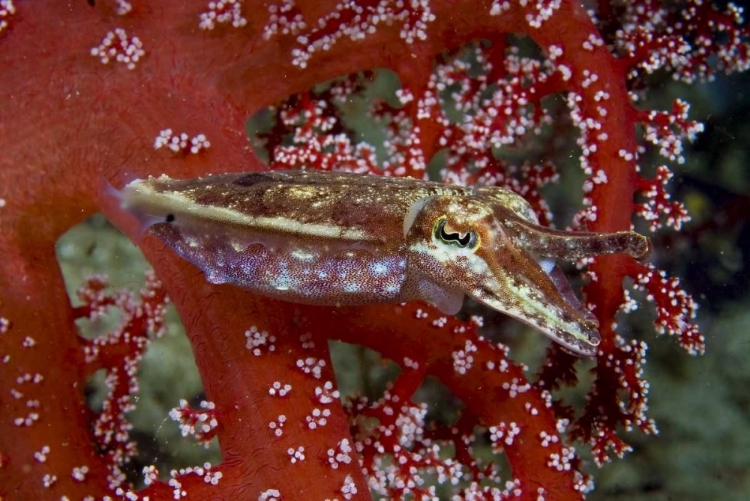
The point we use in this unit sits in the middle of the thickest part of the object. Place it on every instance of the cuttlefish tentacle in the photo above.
(574, 245)
(519, 219)
(343, 239)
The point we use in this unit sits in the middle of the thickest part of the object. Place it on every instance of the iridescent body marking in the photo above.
(346, 239)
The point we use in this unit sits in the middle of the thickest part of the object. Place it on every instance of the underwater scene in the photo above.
(374, 250)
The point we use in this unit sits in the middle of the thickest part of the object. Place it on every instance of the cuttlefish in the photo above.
(337, 239)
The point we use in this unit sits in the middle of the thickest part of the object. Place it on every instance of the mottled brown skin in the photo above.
(339, 238)
(340, 199)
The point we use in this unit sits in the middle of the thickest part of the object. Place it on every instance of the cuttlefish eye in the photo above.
(468, 240)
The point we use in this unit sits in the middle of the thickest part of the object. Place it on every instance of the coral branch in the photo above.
(659, 209)
(675, 308)
(693, 40)
(666, 130)
(140, 321)
(619, 398)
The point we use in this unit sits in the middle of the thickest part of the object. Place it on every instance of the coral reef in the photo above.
(92, 93)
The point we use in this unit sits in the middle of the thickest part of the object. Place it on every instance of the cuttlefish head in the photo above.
(467, 245)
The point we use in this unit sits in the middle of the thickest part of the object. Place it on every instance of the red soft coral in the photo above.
(94, 90)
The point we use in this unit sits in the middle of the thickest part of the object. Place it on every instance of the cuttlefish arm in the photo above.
(460, 243)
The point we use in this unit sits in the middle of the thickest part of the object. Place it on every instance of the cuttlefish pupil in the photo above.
(329, 239)
(468, 239)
